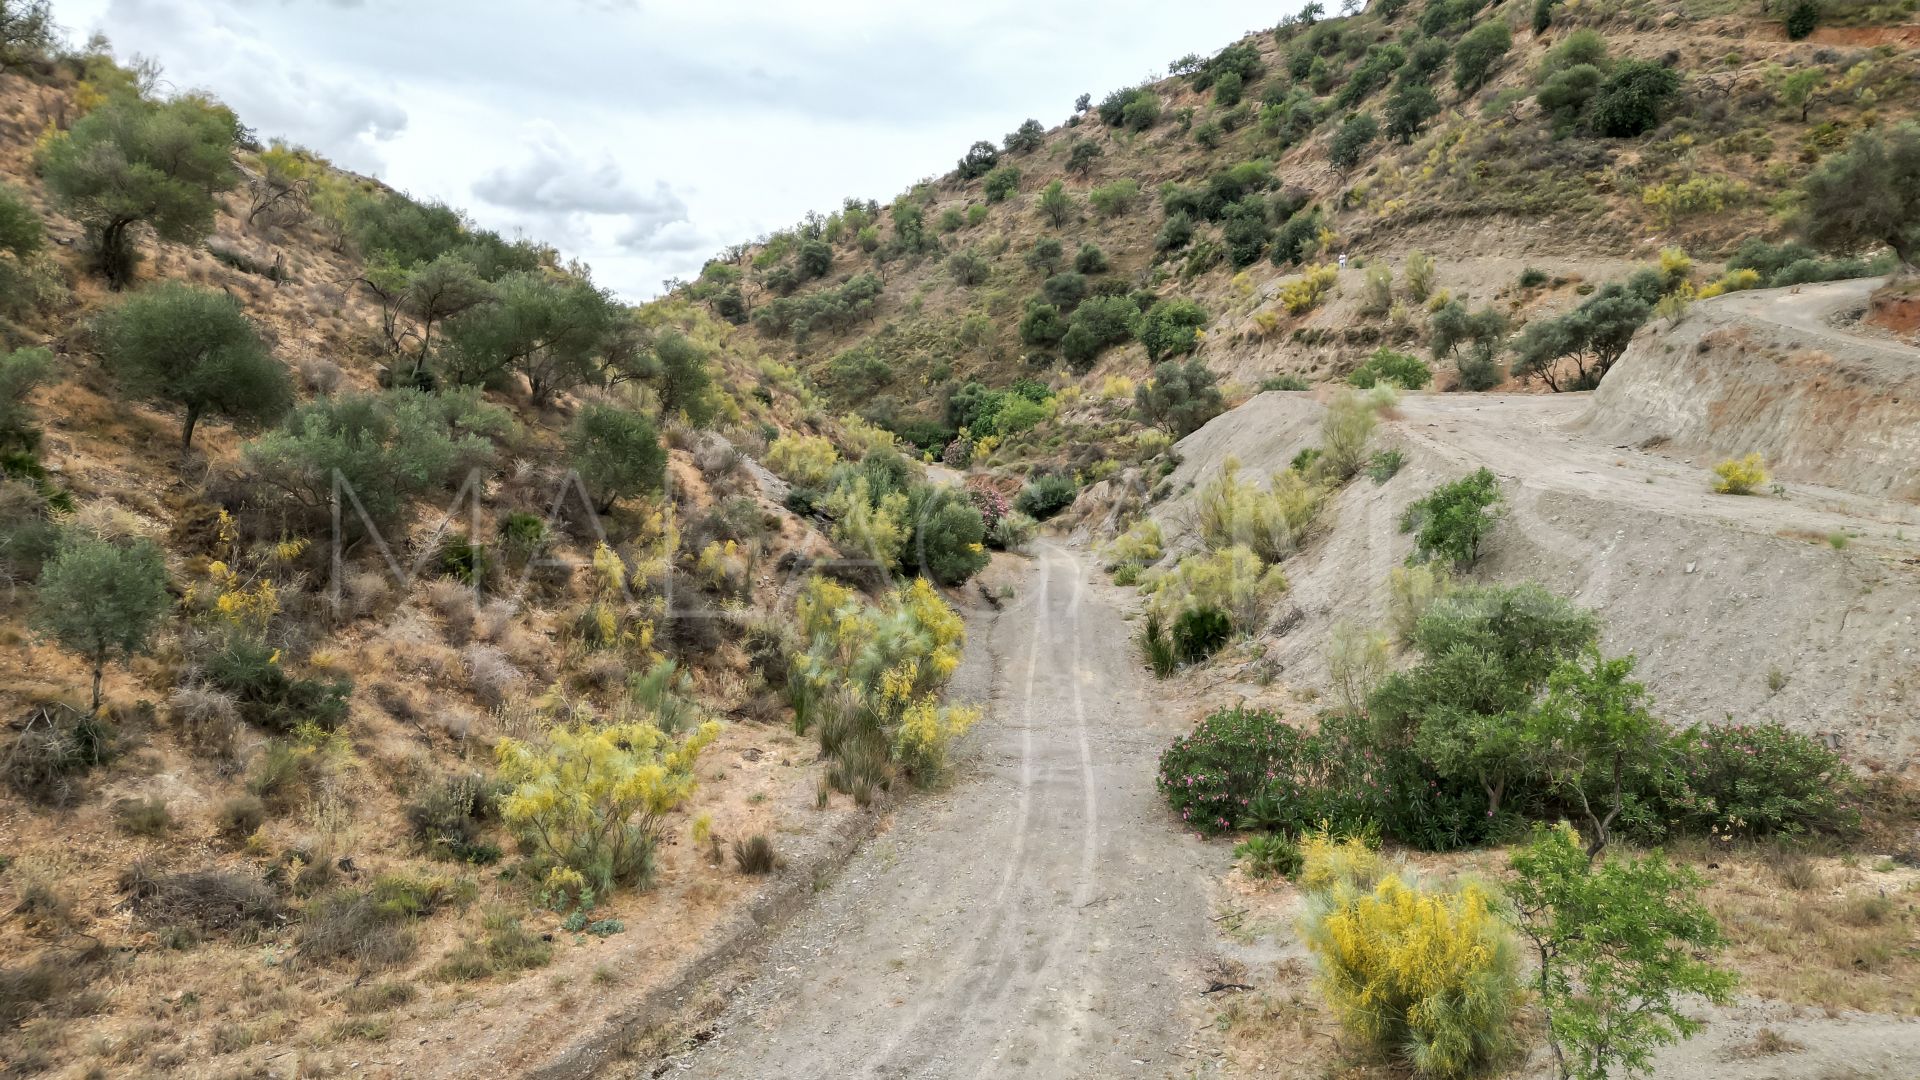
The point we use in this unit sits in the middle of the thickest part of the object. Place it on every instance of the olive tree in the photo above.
(26, 32)
(133, 162)
(1868, 195)
(103, 600)
(551, 329)
(1179, 397)
(617, 454)
(194, 348)
(684, 382)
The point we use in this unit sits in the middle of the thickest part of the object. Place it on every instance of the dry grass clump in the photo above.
(209, 718)
(492, 676)
(202, 901)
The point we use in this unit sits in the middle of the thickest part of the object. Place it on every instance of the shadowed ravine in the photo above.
(1041, 917)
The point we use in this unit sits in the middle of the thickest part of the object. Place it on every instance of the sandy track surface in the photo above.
(1043, 917)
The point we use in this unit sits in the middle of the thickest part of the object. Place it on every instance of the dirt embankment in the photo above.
(1715, 594)
(1774, 372)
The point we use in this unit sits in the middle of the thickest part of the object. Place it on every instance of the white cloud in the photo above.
(215, 46)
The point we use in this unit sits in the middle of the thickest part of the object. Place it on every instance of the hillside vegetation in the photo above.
(386, 599)
(1477, 168)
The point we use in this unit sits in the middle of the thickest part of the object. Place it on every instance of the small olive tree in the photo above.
(194, 348)
(617, 454)
(103, 600)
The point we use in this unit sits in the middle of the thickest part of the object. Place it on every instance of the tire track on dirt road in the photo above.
(1041, 917)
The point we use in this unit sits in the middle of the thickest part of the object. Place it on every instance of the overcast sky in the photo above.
(643, 135)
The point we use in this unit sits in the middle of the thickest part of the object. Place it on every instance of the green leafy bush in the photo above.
(1453, 519)
(1199, 632)
(1269, 855)
(249, 669)
(947, 536)
(1209, 775)
(103, 600)
(617, 454)
(1756, 780)
(382, 450)
(1179, 397)
(1385, 365)
(1046, 495)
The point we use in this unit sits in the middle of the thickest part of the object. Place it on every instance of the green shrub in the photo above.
(194, 348)
(1234, 580)
(1065, 290)
(21, 233)
(947, 536)
(1210, 775)
(755, 855)
(458, 557)
(1000, 183)
(1269, 855)
(1634, 98)
(1046, 495)
(1477, 53)
(1199, 632)
(249, 669)
(1180, 396)
(1114, 197)
(1385, 465)
(1090, 259)
(449, 820)
(384, 449)
(1452, 520)
(143, 817)
(1355, 134)
(1802, 19)
(371, 927)
(503, 948)
(1055, 204)
(239, 817)
(1756, 781)
(1401, 369)
(1284, 382)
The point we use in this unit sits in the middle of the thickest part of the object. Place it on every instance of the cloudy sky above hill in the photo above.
(640, 135)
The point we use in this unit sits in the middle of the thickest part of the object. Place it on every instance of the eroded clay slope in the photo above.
(1712, 592)
(1774, 372)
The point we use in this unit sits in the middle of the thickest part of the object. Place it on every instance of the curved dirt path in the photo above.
(1042, 917)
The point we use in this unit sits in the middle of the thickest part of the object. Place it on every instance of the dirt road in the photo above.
(1043, 917)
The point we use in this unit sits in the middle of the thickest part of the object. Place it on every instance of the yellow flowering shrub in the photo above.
(1142, 544)
(1270, 522)
(861, 438)
(866, 530)
(867, 668)
(1740, 476)
(927, 730)
(806, 460)
(1425, 974)
(594, 799)
(1234, 580)
(1305, 292)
